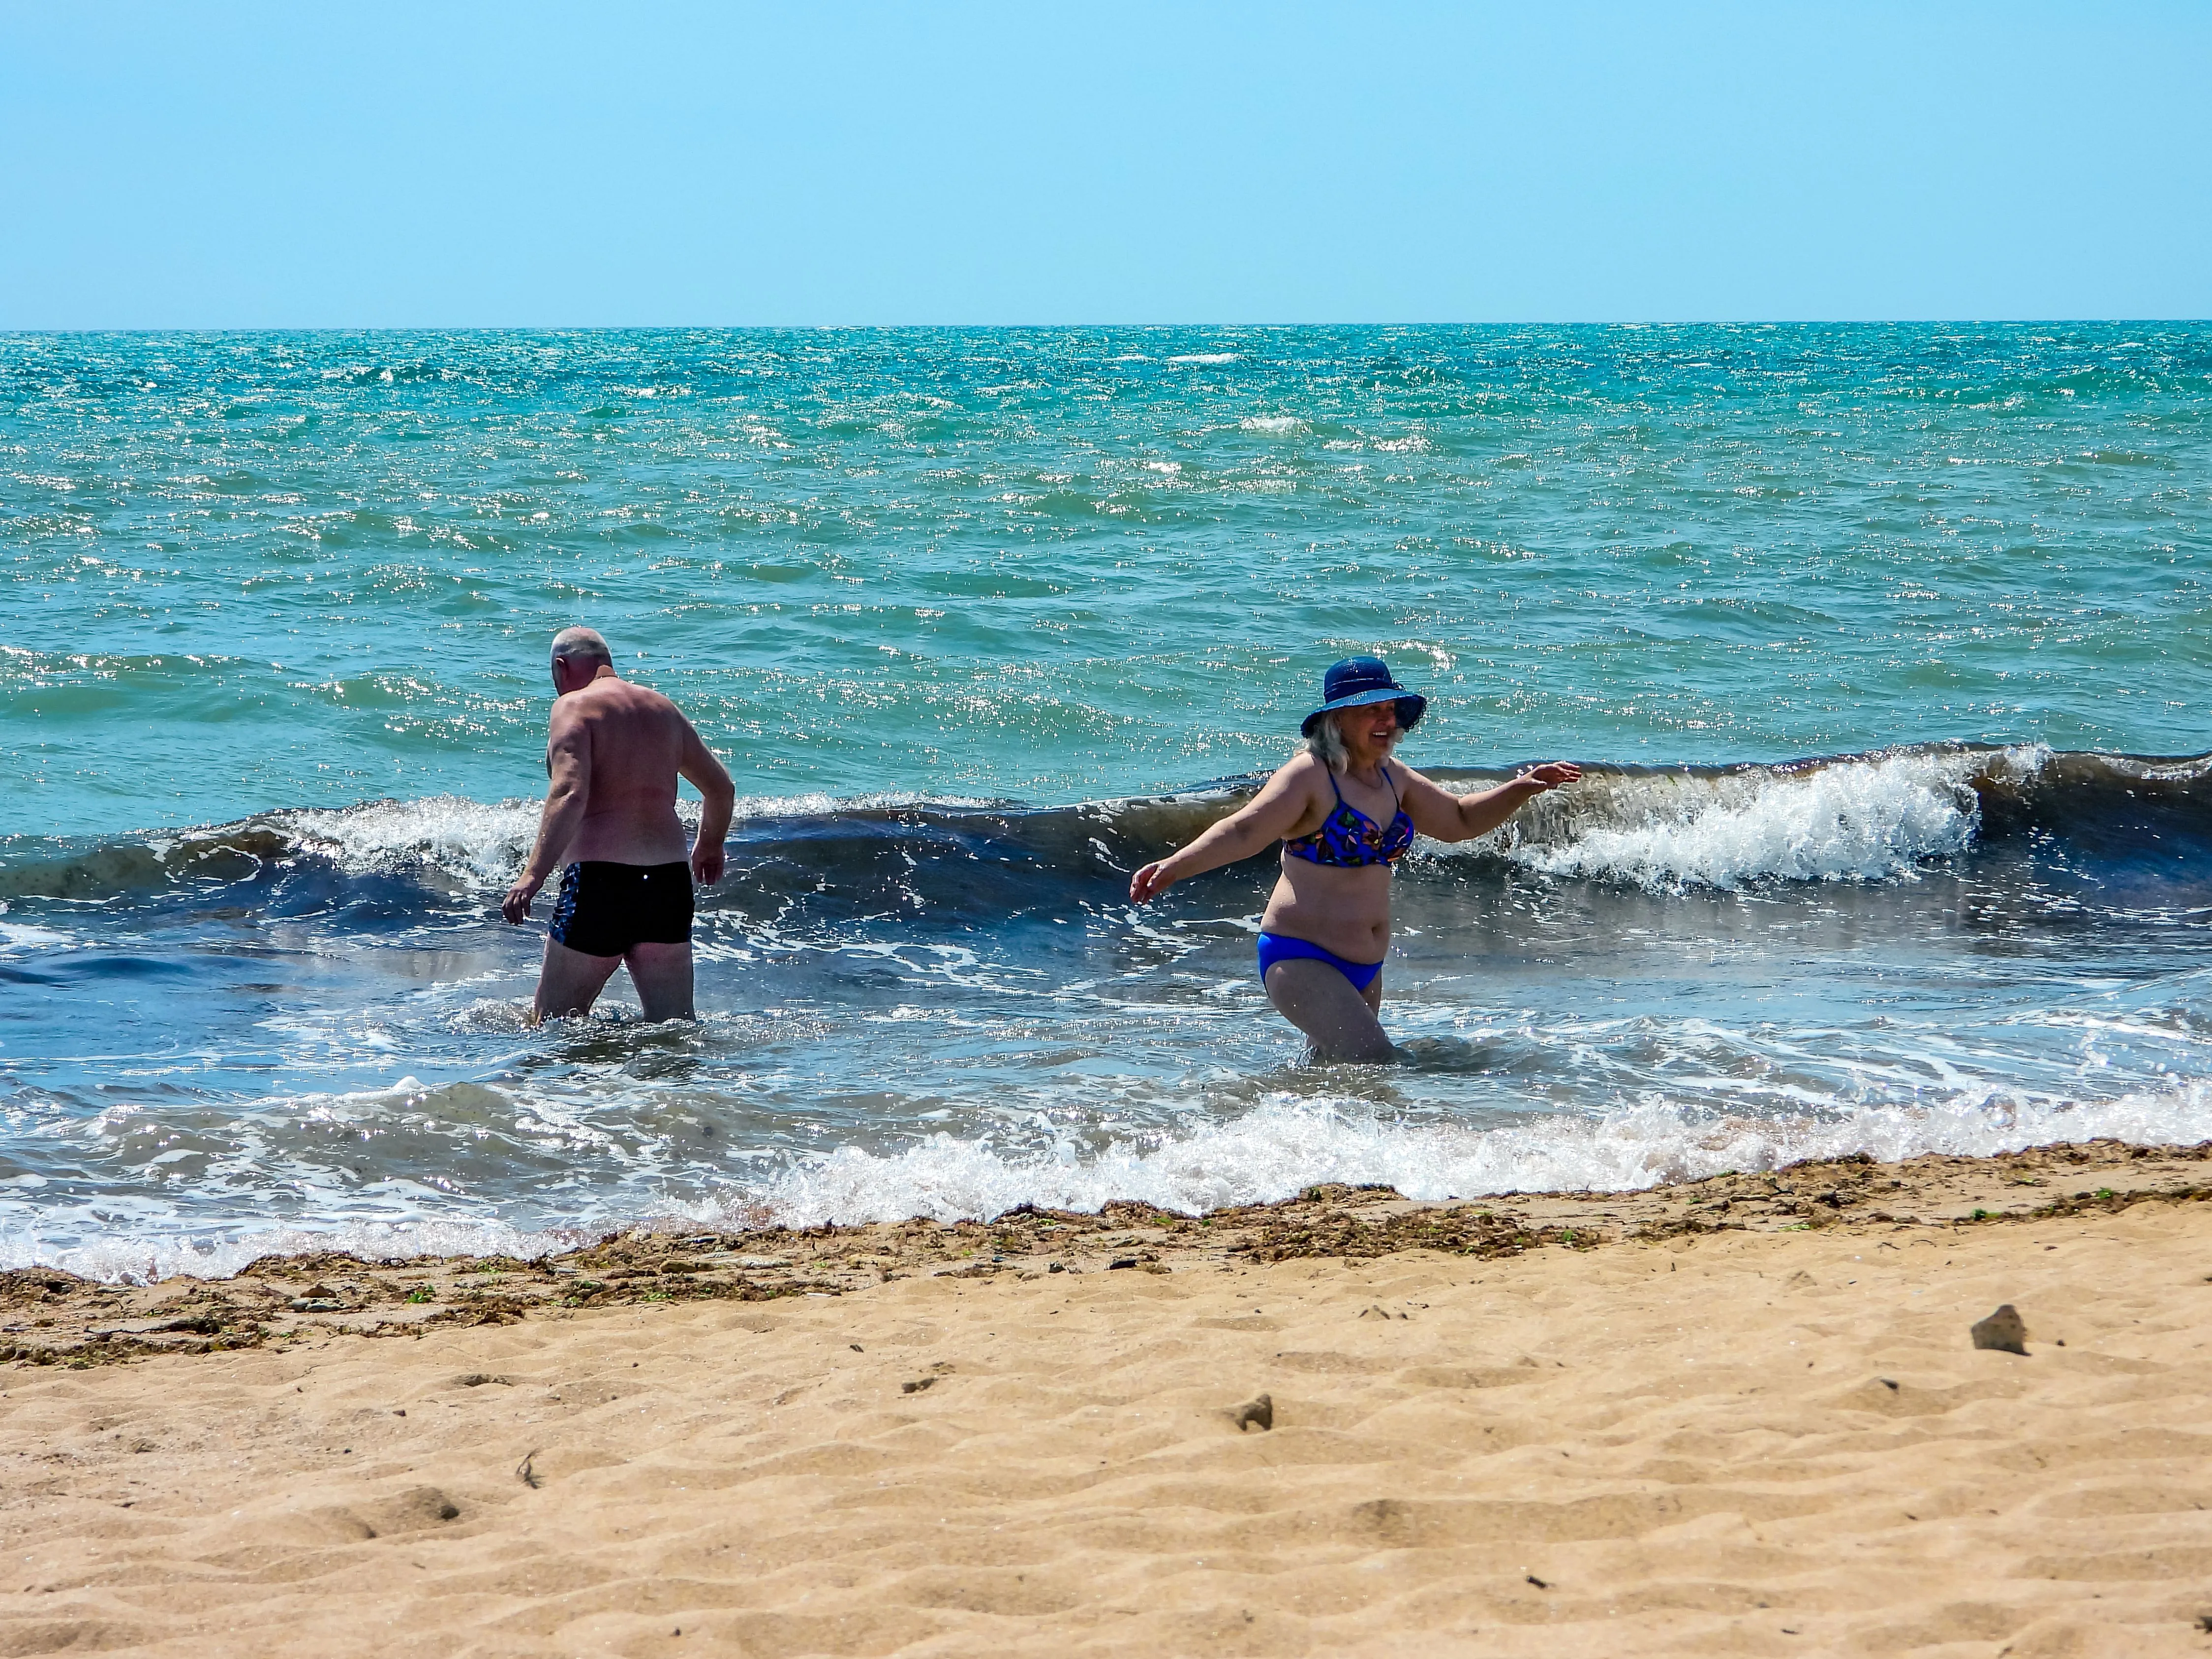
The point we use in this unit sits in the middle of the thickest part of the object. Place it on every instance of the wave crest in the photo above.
(1873, 820)
(1283, 1146)
(1855, 818)
(475, 844)
(1269, 1153)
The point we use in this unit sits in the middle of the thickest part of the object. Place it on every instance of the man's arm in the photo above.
(568, 759)
(1443, 816)
(718, 795)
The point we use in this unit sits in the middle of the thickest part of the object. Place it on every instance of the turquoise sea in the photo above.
(1888, 649)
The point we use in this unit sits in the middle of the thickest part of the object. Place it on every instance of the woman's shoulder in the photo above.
(1303, 777)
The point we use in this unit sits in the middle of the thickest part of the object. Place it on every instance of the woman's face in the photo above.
(1369, 732)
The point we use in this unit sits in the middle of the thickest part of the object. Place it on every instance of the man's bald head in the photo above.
(579, 654)
(582, 647)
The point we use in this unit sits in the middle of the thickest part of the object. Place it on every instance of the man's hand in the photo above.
(707, 863)
(515, 907)
(1149, 882)
(1554, 775)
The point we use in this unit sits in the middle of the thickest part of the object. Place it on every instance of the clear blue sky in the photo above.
(397, 164)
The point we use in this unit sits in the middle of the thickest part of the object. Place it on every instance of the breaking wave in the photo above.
(1872, 819)
(1857, 818)
(1268, 1153)
(1274, 1150)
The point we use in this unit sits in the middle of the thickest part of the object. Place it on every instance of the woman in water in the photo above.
(1346, 812)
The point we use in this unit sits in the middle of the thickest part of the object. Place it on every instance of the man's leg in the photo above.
(662, 974)
(570, 982)
(1339, 1021)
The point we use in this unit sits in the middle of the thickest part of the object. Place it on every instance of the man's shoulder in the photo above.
(633, 701)
(621, 704)
(611, 693)
(652, 702)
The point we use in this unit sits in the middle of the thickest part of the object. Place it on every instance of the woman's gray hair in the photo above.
(1327, 744)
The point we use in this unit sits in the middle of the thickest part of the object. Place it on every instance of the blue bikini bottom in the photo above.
(1277, 947)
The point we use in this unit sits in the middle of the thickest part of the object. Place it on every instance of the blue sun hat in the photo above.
(1358, 681)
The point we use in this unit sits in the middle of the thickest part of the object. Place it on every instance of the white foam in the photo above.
(22, 936)
(821, 805)
(1207, 357)
(1271, 423)
(1286, 1144)
(483, 845)
(1857, 820)
(142, 1258)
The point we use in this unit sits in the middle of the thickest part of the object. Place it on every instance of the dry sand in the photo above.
(1747, 1419)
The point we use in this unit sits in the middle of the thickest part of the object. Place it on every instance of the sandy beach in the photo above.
(925, 832)
(1740, 1416)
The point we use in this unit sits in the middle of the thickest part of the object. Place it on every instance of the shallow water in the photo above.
(293, 590)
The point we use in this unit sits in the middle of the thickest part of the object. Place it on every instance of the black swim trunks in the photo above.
(604, 908)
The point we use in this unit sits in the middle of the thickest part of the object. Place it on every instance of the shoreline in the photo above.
(51, 1316)
(1740, 1416)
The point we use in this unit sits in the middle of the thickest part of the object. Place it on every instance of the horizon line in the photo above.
(7, 332)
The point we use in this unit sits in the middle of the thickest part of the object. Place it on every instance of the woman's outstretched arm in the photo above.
(1443, 816)
(1267, 817)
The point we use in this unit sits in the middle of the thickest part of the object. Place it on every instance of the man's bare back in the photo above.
(634, 741)
(614, 754)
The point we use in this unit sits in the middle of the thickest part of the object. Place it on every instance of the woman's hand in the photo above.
(1150, 882)
(1449, 818)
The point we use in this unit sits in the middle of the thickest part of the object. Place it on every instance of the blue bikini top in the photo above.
(1349, 839)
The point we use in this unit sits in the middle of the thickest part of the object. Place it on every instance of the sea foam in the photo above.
(482, 844)
(1283, 1146)
(1271, 1153)
(1873, 818)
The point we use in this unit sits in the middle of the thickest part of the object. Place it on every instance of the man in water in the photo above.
(614, 754)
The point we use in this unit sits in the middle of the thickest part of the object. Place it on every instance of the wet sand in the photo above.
(1737, 1416)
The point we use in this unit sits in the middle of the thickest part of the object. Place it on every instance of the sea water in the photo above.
(1886, 649)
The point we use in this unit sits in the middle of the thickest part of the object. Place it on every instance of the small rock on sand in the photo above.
(2003, 1330)
(1258, 1412)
